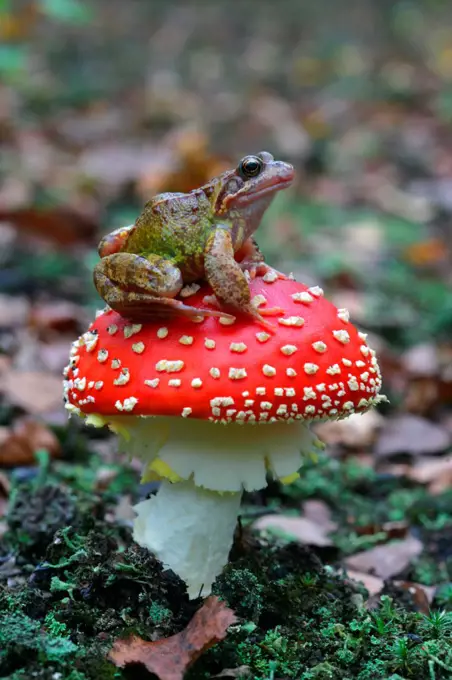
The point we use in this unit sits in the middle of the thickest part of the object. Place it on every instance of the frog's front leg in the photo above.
(251, 259)
(227, 279)
(115, 241)
(142, 287)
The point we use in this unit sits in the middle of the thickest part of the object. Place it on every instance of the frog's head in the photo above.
(248, 190)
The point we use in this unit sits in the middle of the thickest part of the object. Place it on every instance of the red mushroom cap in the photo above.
(315, 366)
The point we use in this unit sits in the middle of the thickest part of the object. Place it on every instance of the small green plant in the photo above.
(436, 623)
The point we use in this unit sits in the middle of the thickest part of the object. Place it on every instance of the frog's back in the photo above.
(174, 225)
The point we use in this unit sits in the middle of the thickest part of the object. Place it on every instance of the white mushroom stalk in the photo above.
(204, 468)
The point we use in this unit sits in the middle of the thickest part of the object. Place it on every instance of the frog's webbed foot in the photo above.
(143, 288)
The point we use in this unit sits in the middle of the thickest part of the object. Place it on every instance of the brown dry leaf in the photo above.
(395, 529)
(422, 595)
(171, 657)
(357, 431)
(59, 225)
(386, 560)
(436, 473)
(33, 391)
(57, 315)
(5, 488)
(422, 395)
(373, 584)
(426, 253)
(18, 24)
(302, 529)
(18, 445)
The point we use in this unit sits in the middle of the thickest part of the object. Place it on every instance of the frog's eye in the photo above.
(250, 166)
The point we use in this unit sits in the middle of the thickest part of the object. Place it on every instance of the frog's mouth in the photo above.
(247, 195)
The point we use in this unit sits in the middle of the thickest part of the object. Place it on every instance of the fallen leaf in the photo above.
(319, 512)
(411, 434)
(305, 531)
(19, 444)
(33, 391)
(357, 431)
(59, 225)
(5, 488)
(436, 473)
(171, 657)
(58, 315)
(53, 355)
(386, 560)
(422, 360)
(422, 395)
(395, 529)
(426, 253)
(422, 595)
(13, 311)
(373, 584)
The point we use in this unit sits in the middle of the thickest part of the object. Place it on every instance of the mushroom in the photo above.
(212, 407)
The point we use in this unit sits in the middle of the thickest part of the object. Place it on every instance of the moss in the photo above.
(20, 635)
(159, 616)
(81, 583)
(242, 590)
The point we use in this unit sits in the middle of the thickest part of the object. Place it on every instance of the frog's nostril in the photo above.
(285, 172)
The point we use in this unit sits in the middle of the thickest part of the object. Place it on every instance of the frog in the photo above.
(206, 234)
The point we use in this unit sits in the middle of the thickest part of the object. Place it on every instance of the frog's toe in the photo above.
(271, 311)
(250, 268)
(259, 314)
(253, 269)
(264, 269)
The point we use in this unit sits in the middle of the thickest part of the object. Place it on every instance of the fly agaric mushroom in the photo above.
(212, 407)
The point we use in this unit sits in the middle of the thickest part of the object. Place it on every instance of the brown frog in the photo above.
(181, 238)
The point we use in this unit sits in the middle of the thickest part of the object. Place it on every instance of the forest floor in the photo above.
(345, 574)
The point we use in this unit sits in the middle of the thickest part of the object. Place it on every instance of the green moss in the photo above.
(158, 615)
(82, 583)
(242, 590)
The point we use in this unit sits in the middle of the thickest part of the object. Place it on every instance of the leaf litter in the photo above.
(171, 657)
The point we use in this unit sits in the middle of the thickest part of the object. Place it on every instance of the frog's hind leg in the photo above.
(143, 287)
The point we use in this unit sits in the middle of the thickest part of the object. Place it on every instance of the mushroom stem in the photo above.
(190, 529)
(204, 468)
